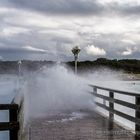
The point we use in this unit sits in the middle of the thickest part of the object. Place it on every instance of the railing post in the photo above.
(95, 90)
(111, 106)
(137, 116)
(13, 118)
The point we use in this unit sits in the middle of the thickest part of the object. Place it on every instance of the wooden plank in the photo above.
(8, 106)
(91, 127)
(111, 105)
(9, 126)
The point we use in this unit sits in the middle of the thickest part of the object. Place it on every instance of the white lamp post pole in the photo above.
(19, 68)
(76, 58)
(76, 51)
(19, 75)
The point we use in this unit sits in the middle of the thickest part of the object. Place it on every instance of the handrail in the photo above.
(110, 98)
(117, 91)
(124, 103)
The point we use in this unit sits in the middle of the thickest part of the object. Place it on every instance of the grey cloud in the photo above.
(4, 3)
(76, 7)
(11, 47)
(113, 46)
(124, 9)
(16, 53)
(19, 53)
(61, 7)
(19, 50)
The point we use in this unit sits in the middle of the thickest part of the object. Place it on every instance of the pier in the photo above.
(91, 126)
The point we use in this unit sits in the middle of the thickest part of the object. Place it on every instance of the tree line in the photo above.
(127, 65)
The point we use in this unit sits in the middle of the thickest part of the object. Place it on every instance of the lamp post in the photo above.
(18, 75)
(19, 68)
(76, 50)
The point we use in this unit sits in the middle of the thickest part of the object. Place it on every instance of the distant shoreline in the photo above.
(130, 66)
(130, 77)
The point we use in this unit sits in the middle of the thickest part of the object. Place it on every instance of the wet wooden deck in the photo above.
(91, 126)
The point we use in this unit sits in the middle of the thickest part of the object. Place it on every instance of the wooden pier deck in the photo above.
(77, 124)
(91, 126)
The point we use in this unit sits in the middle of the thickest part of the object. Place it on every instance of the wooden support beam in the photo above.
(13, 113)
(137, 115)
(111, 105)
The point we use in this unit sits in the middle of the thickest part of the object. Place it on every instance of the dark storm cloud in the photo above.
(19, 53)
(61, 7)
(76, 7)
(65, 34)
(18, 50)
(124, 9)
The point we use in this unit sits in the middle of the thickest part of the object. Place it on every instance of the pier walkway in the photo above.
(80, 124)
(90, 125)
(86, 126)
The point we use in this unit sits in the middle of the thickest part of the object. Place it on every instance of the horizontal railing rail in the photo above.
(111, 99)
(127, 104)
(9, 126)
(117, 91)
(8, 106)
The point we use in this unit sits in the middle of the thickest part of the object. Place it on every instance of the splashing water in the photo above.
(55, 90)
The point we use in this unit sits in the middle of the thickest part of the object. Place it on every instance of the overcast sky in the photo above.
(48, 29)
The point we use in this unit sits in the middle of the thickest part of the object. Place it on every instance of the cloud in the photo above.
(79, 7)
(30, 28)
(25, 52)
(32, 49)
(1, 57)
(122, 7)
(131, 50)
(128, 9)
(92, 50)
(25, 49)
(11, 31)
(61, 7)
(128, 41)
(128, 51)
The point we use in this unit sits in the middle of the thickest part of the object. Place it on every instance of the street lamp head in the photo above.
(76, 50)
(19, 62)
